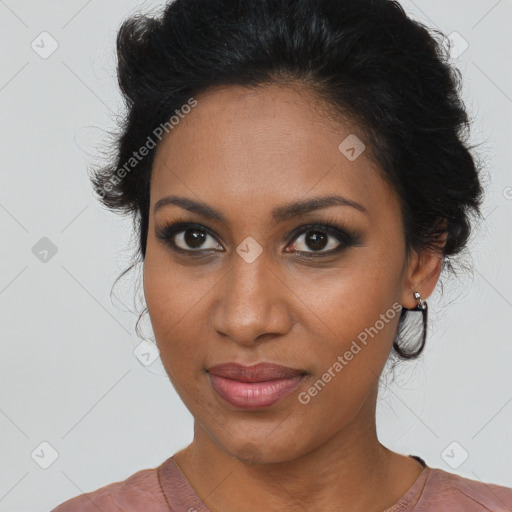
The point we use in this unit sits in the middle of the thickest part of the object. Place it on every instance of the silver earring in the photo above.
(422, 304)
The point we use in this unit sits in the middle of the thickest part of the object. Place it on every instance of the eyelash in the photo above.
(327, 226)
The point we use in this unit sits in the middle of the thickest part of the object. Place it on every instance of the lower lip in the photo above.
(254, 395)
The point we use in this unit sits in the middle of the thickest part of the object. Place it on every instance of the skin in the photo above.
(245, 152)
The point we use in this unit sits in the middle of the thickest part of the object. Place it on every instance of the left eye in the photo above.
(317, 240)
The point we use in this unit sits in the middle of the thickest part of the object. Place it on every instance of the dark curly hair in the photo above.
(365, 58)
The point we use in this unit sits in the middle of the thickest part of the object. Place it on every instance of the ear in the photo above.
(421, 276)
(422, 273)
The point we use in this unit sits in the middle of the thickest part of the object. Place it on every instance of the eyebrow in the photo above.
(279, 213)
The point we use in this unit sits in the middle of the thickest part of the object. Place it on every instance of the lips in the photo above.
(261, 372)
(254, 387)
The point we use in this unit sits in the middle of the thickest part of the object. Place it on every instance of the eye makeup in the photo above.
(173, 235)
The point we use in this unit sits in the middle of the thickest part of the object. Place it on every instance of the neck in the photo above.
(351, 471)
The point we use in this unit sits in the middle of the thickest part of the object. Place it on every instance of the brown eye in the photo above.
(185, 237)
(324, 238)
(194, 238)
(316, 240)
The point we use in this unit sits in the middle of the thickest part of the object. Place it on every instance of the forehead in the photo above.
(262, 146)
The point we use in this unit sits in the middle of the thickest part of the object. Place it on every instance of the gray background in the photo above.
(68, 375)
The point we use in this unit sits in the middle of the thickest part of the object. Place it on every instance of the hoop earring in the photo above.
(421, 306)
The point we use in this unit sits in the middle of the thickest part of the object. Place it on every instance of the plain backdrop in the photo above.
(78, 410)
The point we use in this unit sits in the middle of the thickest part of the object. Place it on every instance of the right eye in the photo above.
(188, 237)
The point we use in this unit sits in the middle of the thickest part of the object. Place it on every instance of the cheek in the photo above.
(171, 295)
(354, 314)
(173, 304)
(351, 298)
(349, 358)
(177, 315)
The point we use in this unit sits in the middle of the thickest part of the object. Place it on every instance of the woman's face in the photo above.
(260, 287)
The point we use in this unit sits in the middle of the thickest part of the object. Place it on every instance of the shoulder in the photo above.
(140, 491)
(447, 491)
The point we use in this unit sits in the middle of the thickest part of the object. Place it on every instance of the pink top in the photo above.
(165, 489)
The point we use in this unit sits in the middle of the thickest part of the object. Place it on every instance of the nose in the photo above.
(252, 303)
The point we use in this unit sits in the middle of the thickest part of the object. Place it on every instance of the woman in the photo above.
(298, 176)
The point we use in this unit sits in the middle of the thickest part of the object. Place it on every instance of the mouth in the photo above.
(254, 387)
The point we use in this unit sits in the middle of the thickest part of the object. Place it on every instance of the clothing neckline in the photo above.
(412, 496)
(180, 495)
